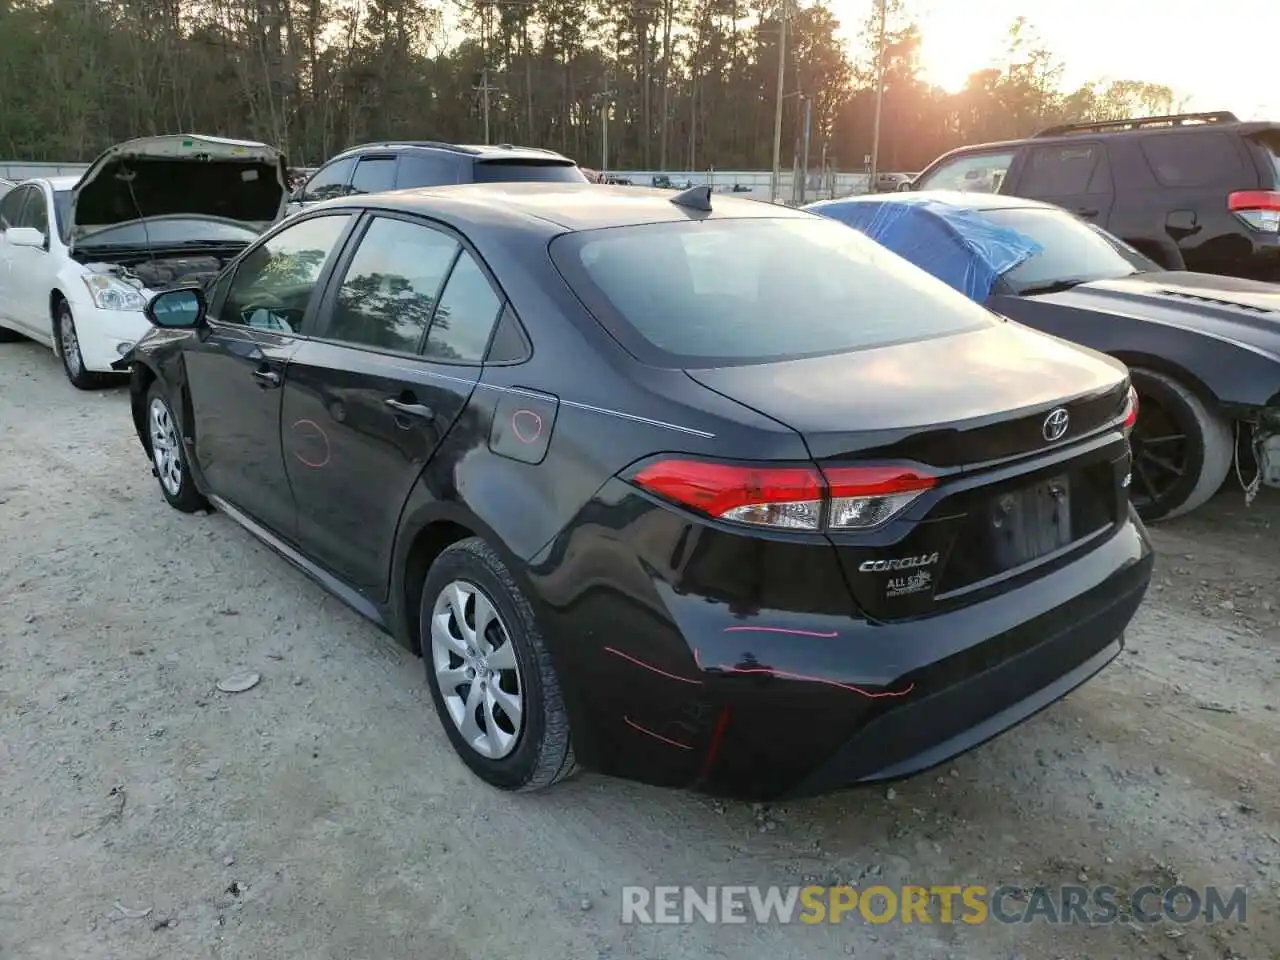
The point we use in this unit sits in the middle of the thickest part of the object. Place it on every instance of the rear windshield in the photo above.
(508, 171)
(717, 292)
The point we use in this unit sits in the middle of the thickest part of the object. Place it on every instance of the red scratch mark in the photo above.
(314, 464)
(530, 433)
(786, 630)
(717, 735)
(785, 675)
(651, 667)
(657, 736)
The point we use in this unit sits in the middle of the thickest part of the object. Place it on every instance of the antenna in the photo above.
(695, 198)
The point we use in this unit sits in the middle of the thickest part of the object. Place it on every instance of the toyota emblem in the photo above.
(1055, 424)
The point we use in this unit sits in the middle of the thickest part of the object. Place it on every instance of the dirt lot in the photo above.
(323, 815)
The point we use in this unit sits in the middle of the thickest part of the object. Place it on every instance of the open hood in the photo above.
(180, 174)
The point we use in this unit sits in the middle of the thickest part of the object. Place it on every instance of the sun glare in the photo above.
(956, 42)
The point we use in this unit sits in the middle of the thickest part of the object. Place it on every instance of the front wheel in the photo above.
(64, 324)
(168, 458)
(490, 672)
(1182, 450)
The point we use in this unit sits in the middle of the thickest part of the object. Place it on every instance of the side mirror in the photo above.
(25, 237)
(179, 309)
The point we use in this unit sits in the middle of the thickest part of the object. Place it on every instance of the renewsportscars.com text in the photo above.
(942, 903)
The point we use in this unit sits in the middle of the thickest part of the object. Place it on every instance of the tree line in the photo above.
(687, 84)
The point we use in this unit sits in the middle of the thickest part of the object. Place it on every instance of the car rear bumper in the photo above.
(767, 703)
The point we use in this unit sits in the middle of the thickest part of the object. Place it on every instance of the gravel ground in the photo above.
(322, 814)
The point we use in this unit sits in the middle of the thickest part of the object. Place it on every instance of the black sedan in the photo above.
(1204, 349)
(692, 490)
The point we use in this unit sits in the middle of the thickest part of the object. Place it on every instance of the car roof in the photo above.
(479, 151)
(571, 206)
(971, 200)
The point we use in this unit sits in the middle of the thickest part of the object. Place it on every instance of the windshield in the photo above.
(1073, 251)
(62, 210)
(509, 171)
(171, 230)
(718, 292)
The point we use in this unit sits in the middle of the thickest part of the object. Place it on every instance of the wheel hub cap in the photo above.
(166, 452)
(475, 665)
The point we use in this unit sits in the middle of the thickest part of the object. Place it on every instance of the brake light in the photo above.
(1130, 410)
(787, 498)
(1259, 209)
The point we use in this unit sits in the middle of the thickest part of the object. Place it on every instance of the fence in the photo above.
(22, 170)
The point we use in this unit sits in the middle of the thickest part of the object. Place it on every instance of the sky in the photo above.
(1221, 56)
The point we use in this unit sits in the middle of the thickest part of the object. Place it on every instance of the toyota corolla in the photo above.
(687, 489)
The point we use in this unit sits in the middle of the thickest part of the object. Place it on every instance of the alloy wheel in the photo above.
(476, 669)
(165, 450)
(1160, 450)
(70, 345)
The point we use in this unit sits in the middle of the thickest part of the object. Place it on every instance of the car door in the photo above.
(1073, 175)
(236, 368)
(331, 180)
(32, 269)
(396, 354)
(10, 216)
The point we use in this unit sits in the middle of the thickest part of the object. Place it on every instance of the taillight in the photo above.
(863, 497)
(1130, 410)
(787, 498)
(1260, 209)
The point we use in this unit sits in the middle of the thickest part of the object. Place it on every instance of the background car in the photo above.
(1204, 350)
(554, 437)
(398, 165)
(79, 258)
(1197, 191)
(6, 186)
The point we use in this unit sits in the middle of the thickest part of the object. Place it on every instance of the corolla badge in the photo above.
(1055, 424)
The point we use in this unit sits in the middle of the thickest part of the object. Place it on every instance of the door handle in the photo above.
(266, 378)
(410, 409)
(1086, 212)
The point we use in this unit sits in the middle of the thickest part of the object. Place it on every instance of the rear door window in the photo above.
(718, 292)
(425, 170)
(1193, 159)
(1269, 144)
(973, 172)
(374, 175)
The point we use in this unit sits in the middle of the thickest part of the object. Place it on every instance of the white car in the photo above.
(80, 258)
(6, 186)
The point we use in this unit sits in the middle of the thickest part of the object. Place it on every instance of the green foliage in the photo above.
(689, 83)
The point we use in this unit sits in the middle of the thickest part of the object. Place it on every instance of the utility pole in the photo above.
(875, 135)
(808, 128)
(777, 114)
(485, 87)
(605, 99)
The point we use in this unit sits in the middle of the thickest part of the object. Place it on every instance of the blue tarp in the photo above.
(957, 245)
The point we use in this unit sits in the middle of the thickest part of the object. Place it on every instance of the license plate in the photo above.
(1029, 523)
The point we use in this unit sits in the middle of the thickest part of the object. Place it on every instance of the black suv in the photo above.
(1196, 191)
(397, 164)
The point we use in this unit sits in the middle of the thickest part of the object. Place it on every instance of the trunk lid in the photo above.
(189, 174)
(955, 403)
(981, 412)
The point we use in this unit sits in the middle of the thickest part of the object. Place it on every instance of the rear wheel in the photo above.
(64, 330)
(490, 673)
(1182, 451)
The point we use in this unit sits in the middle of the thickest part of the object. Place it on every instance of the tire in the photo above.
(1205, 454)
(68, 346)
(534, 753)
(165, 433)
